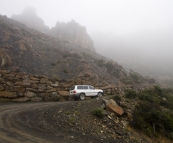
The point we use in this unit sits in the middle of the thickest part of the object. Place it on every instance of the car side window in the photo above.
(85, 87)
(80, 87)
(92, 88)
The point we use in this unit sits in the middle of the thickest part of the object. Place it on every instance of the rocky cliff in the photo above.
(74, 33)
(71, 31)
(36, 53)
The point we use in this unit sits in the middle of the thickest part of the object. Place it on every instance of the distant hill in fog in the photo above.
(148, 52)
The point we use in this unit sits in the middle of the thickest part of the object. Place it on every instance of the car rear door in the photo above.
(92, 91)
(80, 89)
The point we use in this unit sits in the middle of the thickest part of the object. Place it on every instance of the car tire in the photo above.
(99, 94)
(82, 96)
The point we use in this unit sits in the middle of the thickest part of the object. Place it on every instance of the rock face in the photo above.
(37, 53)
(70, 32)
(73, 33)
(30, 51)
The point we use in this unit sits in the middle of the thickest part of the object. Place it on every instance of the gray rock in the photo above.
(30, 94)
(55, 85)
(49, 87)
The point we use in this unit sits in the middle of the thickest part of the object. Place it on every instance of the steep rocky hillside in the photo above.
(37, 53)
(71, 31)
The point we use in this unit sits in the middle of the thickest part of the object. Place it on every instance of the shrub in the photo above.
(53, 64)
(130, 94)
(109, 66)
(158, 90)
(65, 70)
(98, 112)
(149, 97)
(151, 80)
(136, 77)
(117, 98)
(100, 63)
(150, 118)
(65, 55)
(86, 55)
(167, 104)
(127, 80)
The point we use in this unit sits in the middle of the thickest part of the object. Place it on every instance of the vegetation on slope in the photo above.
(153, 114)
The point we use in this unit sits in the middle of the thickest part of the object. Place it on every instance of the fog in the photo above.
(118, 16)
(135, 33)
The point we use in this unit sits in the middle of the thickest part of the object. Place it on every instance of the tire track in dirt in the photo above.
(11, 132)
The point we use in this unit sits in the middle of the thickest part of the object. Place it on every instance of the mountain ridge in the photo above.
(71, 31)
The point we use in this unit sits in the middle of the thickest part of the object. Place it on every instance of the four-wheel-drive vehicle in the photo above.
(82, 91)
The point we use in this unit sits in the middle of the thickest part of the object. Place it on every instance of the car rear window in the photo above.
(79, 87)
(72, 88)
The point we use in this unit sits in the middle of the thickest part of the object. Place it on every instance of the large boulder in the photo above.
(112, 106)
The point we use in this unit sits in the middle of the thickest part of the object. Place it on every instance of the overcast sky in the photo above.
(118, 16)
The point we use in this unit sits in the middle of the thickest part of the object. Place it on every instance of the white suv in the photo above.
(82, 91)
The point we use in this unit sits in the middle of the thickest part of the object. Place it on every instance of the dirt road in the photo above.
(60, 122)
(11, 131)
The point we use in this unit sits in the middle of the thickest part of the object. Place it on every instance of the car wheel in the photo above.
(99, 95)
(82, 96)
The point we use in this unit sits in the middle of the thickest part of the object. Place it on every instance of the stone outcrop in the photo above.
(73, 33)
(70, 32)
